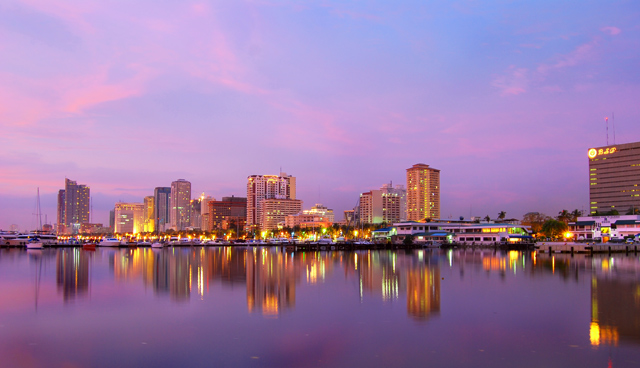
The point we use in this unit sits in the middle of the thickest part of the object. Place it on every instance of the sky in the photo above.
(504, 97)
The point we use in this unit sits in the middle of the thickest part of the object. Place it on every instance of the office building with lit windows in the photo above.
(129, 218)
(261, 187)
(423, 193)
(614, 179)
(180, 205)
(74, 203)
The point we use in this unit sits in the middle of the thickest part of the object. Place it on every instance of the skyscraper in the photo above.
(260, 187)
(161, 196)
(614, 178)
(73, 206)
(423, 193)
(180, 204)
(61, 228)
(149, 221)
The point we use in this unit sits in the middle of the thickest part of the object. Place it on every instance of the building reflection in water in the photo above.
(615, 302)
(391, 274)
(72, 273)
(271, 281)
(423, 292)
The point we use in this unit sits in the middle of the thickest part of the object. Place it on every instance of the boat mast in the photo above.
(39, 211)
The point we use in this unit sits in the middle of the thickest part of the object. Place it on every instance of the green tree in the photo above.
(408, 240)
(575, 214)
(554, 228)
(502, 215)
(534, 220)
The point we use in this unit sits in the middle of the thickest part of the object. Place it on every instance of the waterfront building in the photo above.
(195, 217)
(306, 220)
(274, 211)
(179, 209)
(61, 228)
(320, 210)
(112, 219)
(260, 187)
(423, 193)
(204, 211)
(614, 178)
(448, 231)
(400, 192)
(88, 228)
(73, 206)
(129, 218)
(227, 211)
(384, 205)
(149, 209)
(161, 196)
(605, 227)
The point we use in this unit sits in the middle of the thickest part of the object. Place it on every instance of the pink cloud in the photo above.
(514, 82)
(579, 55)
(612, 31)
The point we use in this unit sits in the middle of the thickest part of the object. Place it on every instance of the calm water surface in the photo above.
(223, 306)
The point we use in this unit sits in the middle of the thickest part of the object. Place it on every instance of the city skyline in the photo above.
(505, 99)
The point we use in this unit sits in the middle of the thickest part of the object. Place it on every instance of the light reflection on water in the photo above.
(508, 303)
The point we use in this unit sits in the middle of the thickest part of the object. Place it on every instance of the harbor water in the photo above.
(266, 307)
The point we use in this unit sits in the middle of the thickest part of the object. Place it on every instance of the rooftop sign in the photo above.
(593, 153)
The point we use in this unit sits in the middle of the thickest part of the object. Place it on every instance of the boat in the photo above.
(110, 242)
(89, 246)
(158, 245)
(34, 243)
(144, 243)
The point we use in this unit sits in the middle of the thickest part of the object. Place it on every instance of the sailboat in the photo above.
(36, 242)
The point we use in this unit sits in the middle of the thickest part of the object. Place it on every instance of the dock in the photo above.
(588, 248)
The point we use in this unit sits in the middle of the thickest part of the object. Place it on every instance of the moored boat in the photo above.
(110, 242)
(158, 245)
(34, 243)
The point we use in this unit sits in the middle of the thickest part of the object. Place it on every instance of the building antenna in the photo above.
(613, 123)
(606, 120)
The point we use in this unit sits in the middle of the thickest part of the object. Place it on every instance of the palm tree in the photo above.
(502, 215)
(564, 216)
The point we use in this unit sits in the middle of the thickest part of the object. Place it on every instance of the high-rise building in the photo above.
(73, 206)
(378, 206)
(129, 218)
(400, 194)
(149, 219)
(260, 187)
(204, 211)
(61, 228)
(614, 178)
(180, 202)
(423, 193)
(195, 217)
(161, 196)
(228, 210)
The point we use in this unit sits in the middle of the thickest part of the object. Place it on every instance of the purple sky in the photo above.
(503, 97)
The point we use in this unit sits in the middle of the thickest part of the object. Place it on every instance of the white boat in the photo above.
(35, 243)
(158, 245)
(110, 242)
(144, 243)
(5, 238)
